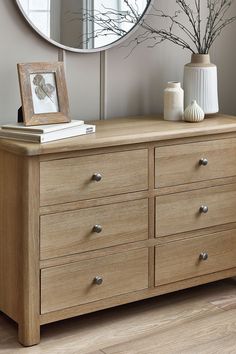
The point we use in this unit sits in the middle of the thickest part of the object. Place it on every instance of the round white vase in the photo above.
(200, 83)
(193, 113)
(173, 101)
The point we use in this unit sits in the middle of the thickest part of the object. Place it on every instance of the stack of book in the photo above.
(46, 133)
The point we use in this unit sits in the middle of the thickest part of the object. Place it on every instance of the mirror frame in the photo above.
(76, 50)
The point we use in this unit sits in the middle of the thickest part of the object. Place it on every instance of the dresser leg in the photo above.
(29, 335)
(29, 264)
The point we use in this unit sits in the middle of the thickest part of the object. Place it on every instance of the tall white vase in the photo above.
(200, 83)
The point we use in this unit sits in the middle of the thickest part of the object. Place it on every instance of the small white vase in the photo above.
(193, 113)
(173, 101)
(200, 83)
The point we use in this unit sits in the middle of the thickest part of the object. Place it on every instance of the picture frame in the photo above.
(43, 93)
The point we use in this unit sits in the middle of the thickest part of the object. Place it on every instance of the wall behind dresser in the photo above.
(133, 85)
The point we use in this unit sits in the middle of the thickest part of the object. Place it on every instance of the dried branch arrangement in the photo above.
(186, 27)
(197, 34)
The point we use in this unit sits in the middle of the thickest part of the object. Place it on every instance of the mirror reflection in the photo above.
(83, 24)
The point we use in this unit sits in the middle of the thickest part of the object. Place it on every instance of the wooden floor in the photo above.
(201, 320)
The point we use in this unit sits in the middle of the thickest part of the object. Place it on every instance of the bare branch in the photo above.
(197, 34)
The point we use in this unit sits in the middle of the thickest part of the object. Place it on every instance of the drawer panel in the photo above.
(71, 179)
(74, 284)
(183, 259)
(93, 228)
(179, 164)
(180, 212)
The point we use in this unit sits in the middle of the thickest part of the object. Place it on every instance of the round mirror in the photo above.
(83, 25)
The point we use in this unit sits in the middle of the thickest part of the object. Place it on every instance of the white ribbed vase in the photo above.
(200, 83)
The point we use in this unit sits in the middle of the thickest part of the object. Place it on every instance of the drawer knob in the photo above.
(203, 256)
(97, 177)
(203, 162)
(97, 228)
(203, 209)
(98, 280)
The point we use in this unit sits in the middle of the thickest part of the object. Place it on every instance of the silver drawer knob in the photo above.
(98, 280)
(203, 162)
(203, 256)
(203, 209)
(97, 228)
(97, 177)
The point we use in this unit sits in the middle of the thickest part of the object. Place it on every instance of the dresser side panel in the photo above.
(11, 227)
(29, 302)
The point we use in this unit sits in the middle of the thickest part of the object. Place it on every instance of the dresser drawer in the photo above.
(180, 164)
(75, 284)
(194, 257)
(93, 228)
(181, 212)
(72, 179)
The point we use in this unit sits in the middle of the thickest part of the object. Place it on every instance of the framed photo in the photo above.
(43, 93)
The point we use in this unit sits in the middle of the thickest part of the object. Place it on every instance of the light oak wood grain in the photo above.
(102, 252)
(151, 214)
(71, 285)
(180, 260)
(29, 272)
(224, 344)
(91, 152)
(195, 233)
(19, 244)
(129, 130)
(134, 296)
(195, 185)
(72, 232)
(131, 322)
(135, 145)
(150, 243)
(176, 213)
(94, 202)
(179, 164)
(67, 180)
(133, 212)
(202, 331)
(11, 180)
(225, 302)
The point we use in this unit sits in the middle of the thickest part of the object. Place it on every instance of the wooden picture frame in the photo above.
(43, 93)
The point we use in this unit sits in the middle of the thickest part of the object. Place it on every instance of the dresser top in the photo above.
(123, 131)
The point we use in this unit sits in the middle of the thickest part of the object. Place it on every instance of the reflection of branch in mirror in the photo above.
(194, 25)
(83, 25)
(104, 23)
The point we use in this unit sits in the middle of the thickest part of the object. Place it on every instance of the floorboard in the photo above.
(200, 320)
(194, 332)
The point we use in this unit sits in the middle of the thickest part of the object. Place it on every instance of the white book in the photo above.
(50, 136)
(42, 129)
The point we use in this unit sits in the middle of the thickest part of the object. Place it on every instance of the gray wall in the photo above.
(134, 85)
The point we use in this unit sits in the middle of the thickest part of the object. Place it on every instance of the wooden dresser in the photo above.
(141, 208)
